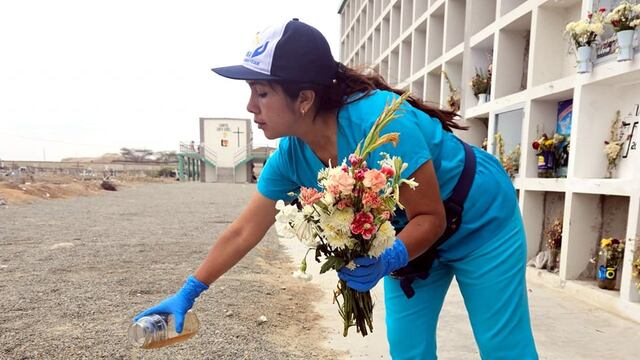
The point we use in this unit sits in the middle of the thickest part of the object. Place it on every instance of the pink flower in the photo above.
(310, 196)
(343, 182)
(344, 203)
(374, 179)
(354, 159)
(345, 168)
(386, 215)
(359, 175)
(387, 171)
(363, 224)
(371, 199)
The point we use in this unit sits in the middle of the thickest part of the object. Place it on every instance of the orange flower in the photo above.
(371, 199)
(310, 196)
(375, 180)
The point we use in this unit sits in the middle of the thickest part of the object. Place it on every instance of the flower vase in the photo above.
(546, 164)
(584, 59)
(552, 263)
(561, 171)
(482, 98)
(607, 277)
(625, 45)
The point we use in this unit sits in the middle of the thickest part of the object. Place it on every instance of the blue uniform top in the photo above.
(490, 203)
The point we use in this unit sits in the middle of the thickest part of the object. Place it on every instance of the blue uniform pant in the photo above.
(492, 283)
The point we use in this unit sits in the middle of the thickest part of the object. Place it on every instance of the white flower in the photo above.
(338, 220)
(339, 239)
(581, 28)
(302, 275)
(328, 198)
(284, 218)
(412, 183)
(308, 211)
(597, 28)
(612, 150)
(336, 227)
(384, 239)
(570, 26)
(304, 230)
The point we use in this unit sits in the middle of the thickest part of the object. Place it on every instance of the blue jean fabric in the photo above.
(492, 283)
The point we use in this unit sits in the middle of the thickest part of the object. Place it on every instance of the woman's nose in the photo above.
(251, 106)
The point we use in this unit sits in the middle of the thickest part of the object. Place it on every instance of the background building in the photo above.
(410, 42)
(228, 141)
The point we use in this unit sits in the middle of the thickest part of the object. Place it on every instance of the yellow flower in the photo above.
(606, 242)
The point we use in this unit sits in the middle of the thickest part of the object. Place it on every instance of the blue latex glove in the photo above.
(370, 270)
(178, 304)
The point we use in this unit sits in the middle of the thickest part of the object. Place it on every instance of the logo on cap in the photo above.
(259, 50)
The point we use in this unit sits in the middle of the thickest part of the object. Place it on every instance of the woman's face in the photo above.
(273, 112)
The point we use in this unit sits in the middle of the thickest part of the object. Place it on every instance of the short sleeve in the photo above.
(412, 146)
(274, 181)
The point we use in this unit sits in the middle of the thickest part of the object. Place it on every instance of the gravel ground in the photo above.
(73, 272)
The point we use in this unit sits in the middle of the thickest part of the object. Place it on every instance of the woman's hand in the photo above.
(178, 304)
(370, 270)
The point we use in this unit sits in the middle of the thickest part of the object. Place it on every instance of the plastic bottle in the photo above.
(159, 330)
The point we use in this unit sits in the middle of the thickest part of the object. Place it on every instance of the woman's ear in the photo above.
(306, 98)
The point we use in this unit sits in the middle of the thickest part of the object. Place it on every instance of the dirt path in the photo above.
(73, 272)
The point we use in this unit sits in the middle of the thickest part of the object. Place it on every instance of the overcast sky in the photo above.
(83, 78)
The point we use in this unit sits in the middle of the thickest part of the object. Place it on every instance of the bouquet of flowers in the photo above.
(511, 162)
(349, 217)
(584, 32)
(612, 251)
(554, 235)
(453, 99)
(549, 152)
(625, 16)
(613, 146)
(635, 271)
(480, 82)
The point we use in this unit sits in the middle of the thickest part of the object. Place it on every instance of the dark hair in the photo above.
(350, 81)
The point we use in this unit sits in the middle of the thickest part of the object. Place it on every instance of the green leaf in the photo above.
(332, 262)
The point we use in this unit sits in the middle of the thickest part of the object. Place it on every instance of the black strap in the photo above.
(419, 267)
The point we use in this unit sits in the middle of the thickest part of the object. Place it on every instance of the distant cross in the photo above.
(238, 132)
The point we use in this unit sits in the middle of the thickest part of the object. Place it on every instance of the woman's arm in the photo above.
(238, 239)
(425, 211)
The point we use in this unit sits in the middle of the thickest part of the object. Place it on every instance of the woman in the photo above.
(321, 110)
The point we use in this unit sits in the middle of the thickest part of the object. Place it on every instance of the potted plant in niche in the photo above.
(583, 34)
(624, 19)
(609, 260)
(553, 235)
(480, 85)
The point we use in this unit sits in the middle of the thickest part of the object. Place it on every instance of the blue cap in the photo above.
(293, 51)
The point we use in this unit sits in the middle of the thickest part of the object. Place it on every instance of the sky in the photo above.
(83, 78)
